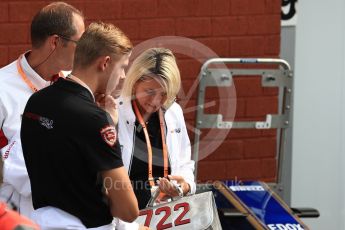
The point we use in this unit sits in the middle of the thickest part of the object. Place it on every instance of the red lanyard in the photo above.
(148, 143)
(25, 78)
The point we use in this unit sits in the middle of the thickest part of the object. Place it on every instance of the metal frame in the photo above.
(281, 78)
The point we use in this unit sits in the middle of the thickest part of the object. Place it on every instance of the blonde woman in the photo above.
(155, 145)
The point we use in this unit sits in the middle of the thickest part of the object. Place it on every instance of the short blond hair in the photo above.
(156, 63)
(100, 39)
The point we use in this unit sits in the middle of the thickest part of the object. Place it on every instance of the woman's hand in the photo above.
(169, 189)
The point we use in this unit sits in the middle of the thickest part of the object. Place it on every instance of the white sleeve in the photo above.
(2, 113)
(121, 225)
(14, 171)
(186, 164)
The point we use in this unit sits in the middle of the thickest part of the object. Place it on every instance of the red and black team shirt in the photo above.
(67, 141)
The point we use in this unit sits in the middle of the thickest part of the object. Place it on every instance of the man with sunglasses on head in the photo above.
(55, 29)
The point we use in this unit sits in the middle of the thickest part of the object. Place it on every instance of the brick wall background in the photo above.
(231, 28)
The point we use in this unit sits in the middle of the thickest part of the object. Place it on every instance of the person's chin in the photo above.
(153, 110)
(147, 110)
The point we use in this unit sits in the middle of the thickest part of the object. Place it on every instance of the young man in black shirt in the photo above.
(70, 143)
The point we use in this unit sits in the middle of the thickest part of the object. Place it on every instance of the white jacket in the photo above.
(51, 218)
(177, 140)
(14, 94)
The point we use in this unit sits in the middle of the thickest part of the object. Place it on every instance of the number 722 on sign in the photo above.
(154, 217)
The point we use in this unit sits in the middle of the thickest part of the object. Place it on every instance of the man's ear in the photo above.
(53, 41)
(103, 63)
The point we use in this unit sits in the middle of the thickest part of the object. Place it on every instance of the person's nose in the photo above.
(157, 100)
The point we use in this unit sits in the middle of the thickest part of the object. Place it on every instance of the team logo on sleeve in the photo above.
(108, 134)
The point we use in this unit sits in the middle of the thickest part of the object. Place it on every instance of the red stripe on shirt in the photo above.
(3, 139)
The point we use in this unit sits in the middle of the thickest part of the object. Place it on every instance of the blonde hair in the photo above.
(100, 39)
(156, 63)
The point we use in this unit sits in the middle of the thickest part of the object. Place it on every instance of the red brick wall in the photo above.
(232, 28)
